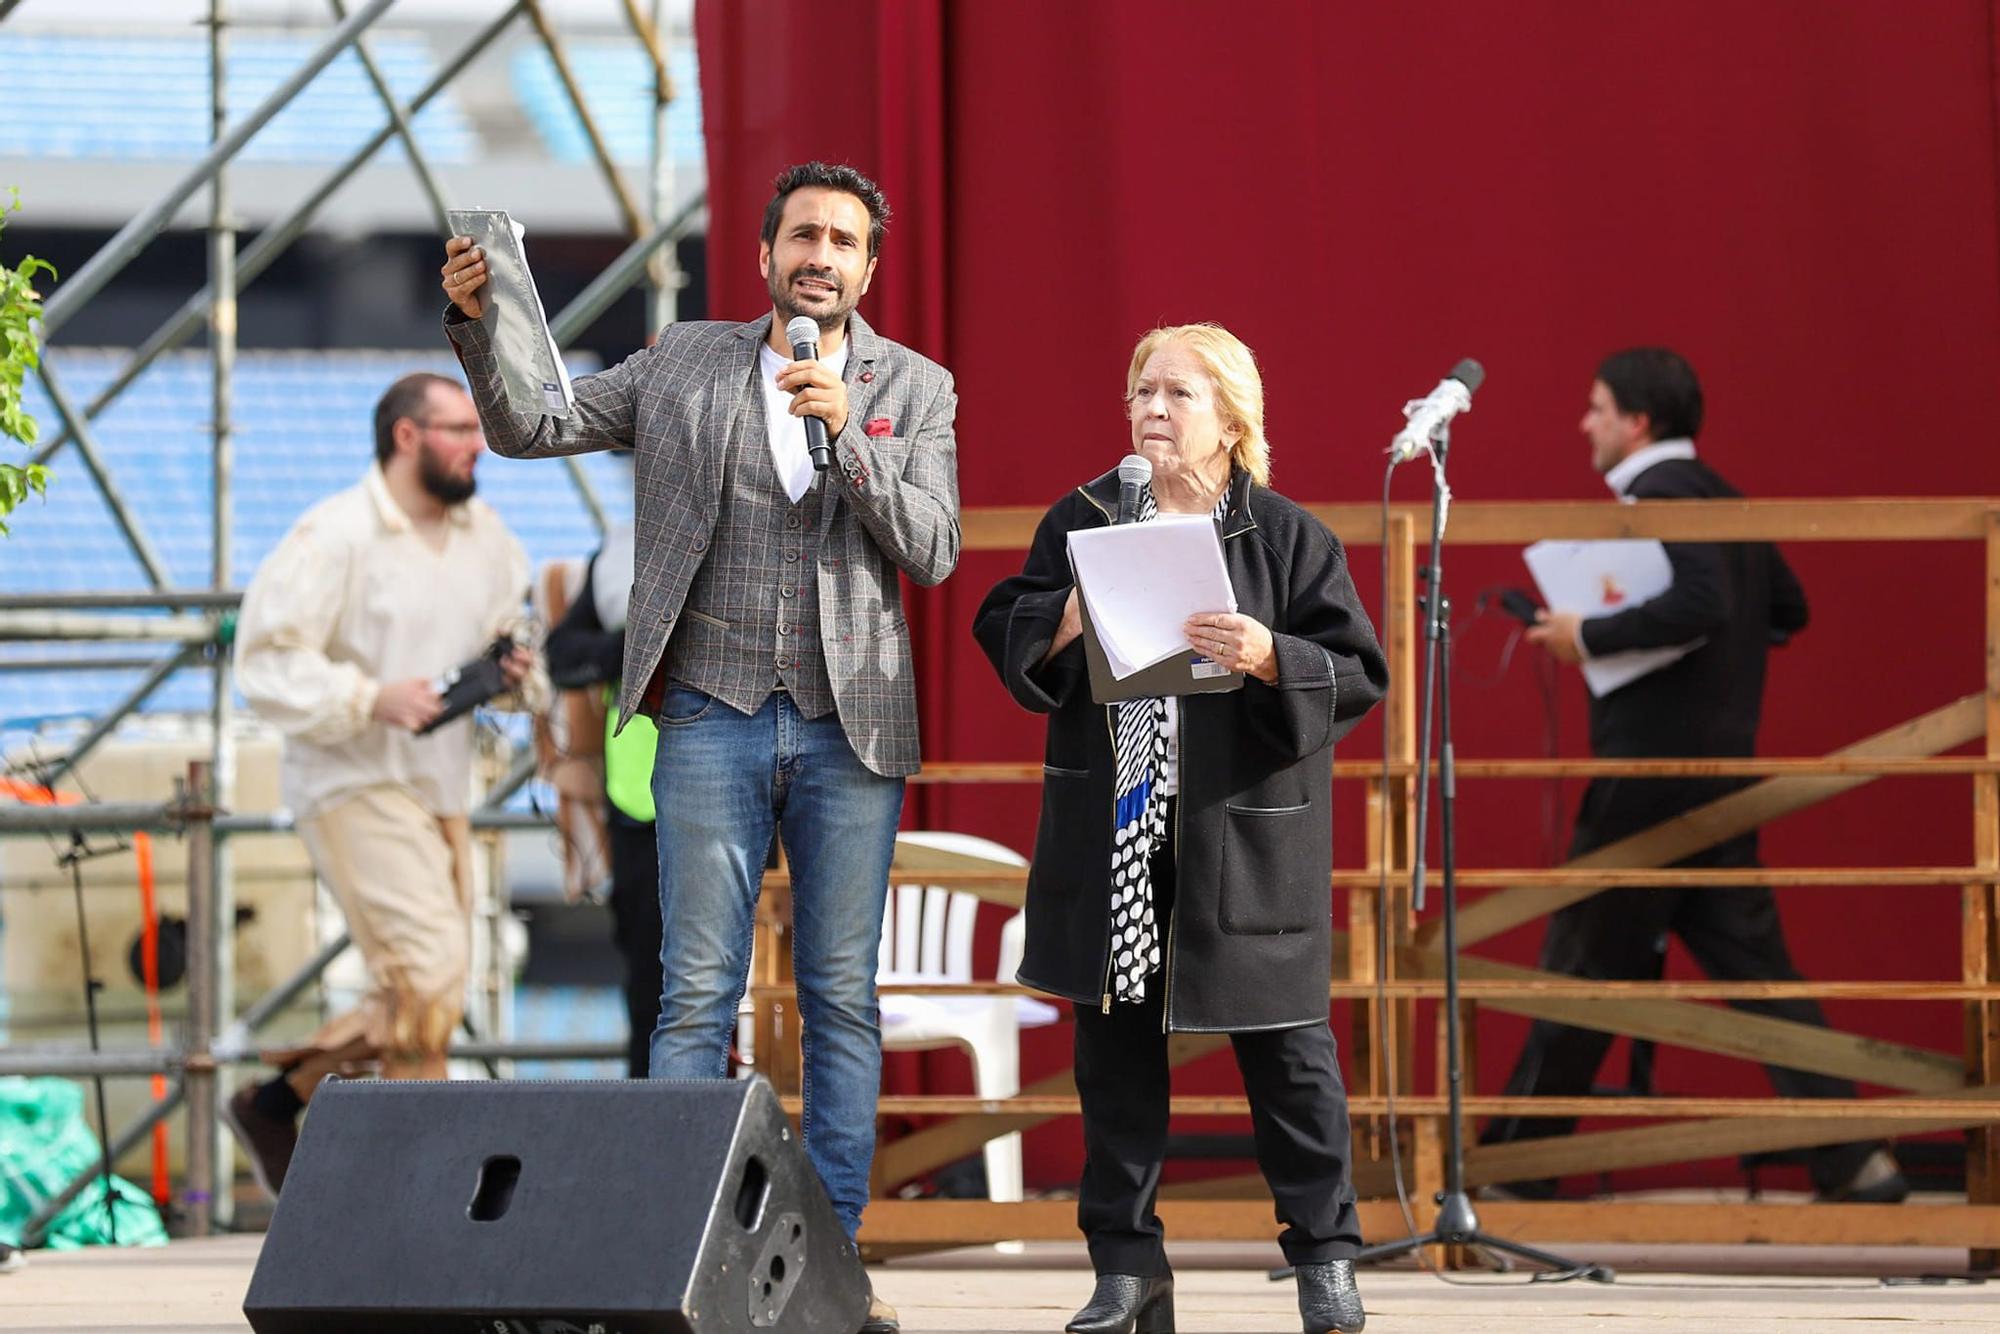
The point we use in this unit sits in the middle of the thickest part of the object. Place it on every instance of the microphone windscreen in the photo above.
(802, 329)
(1468, 373)
(1135, 468)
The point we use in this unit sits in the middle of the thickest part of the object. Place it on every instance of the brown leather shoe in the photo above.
(268, 1139)
(881, 1318)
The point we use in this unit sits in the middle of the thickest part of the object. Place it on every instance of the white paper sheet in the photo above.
(1143, 580)
(1598, 578)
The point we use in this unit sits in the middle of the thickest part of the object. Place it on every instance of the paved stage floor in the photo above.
(196, 1287)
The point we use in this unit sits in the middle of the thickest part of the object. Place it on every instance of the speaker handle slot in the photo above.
(752, 1193)
(494, 1191)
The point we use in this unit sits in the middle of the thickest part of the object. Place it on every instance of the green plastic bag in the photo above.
(44, 1144)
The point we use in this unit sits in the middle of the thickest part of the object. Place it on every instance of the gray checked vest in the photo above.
(751, 620)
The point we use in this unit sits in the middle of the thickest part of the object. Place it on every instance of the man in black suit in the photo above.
(1733, 601)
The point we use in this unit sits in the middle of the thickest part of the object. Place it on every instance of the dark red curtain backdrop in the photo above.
(1801, 197)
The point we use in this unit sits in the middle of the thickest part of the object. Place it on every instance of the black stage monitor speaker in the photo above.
(628, 1207)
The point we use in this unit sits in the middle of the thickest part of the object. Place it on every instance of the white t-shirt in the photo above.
(788, 433)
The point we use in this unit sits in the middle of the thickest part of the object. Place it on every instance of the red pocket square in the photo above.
(880, 426)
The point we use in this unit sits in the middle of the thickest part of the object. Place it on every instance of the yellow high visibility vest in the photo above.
(628, 762)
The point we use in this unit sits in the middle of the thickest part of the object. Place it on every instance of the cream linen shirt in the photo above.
(354, 597)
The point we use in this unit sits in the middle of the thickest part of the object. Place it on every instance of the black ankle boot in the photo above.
(1128, 1304)
(1328, 1299)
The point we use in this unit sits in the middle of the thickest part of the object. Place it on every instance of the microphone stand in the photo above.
(1457, 1221)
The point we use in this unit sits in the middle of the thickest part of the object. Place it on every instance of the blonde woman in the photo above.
(1181, 868)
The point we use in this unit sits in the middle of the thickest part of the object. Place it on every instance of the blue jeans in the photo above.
(722, 781)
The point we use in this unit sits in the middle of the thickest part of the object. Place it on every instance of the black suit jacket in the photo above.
(1741, 598)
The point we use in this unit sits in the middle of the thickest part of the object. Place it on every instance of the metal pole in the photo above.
(104, 726)
(635, 223)
(273, 240)
(96, 817)
(401, 125)
(171, 817)
(83, 1063)
(230, 1046)
(134, 1063)
(538, 1051)
(222, 359)
(8, 665)
(612, 283)
(663, 274)
(605, 288)
(133, 237)
(128, 1139)
(82, 625)
(100, 473)
(517, 776)
(205, 942)
(7, 7)
(200, 598)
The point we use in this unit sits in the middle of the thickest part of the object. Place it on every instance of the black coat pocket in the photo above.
(1268, 885)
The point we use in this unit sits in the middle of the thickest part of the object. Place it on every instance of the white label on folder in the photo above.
(1206, 669)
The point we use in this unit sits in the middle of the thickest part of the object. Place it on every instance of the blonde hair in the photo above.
(1239, 389)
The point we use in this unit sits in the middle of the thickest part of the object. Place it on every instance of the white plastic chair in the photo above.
(927, 937)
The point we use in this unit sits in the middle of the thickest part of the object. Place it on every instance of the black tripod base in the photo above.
(1458, 1225)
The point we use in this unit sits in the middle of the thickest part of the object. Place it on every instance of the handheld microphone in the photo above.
(1427, 417)
(803, 334)
(1134, 471)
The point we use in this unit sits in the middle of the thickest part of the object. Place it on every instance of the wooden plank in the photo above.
(774, 1016)
(1981, 939)
(1915, 1108)
(1373, 1178)
(1753, 1037)
(1427, 1180)
(928, 1149)
(1762, 766)
(1705, 826)
(1510, 523)
(1746, 1224)
(1592, 879)
(1542, 984)
(980, 1222)
(1362, 961)
(1396, 1023)
(1489, 523)
(1006, 885)
(1692, 1141)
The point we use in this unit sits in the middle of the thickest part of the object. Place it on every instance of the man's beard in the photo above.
(781, 297)
(442, 486)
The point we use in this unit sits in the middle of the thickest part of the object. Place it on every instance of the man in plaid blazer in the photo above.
(766, 627)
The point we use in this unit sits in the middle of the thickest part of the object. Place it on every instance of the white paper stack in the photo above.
(1141, 582)
(1597, 579)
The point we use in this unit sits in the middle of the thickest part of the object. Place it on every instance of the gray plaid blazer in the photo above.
(892, 502)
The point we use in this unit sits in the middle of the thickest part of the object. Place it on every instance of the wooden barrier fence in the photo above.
(1937, 1091)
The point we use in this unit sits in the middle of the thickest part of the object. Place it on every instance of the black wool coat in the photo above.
(1249, 945)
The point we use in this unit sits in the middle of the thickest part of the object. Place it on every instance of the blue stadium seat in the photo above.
(146, 98)
(617, 82)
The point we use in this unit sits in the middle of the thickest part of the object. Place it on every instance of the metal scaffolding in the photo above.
(193, 625)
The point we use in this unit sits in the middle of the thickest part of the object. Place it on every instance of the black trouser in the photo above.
(635, 931)
(1298, 1109)
(1733, 934)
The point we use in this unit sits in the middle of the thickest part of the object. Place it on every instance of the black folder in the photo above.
(1183, 674)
